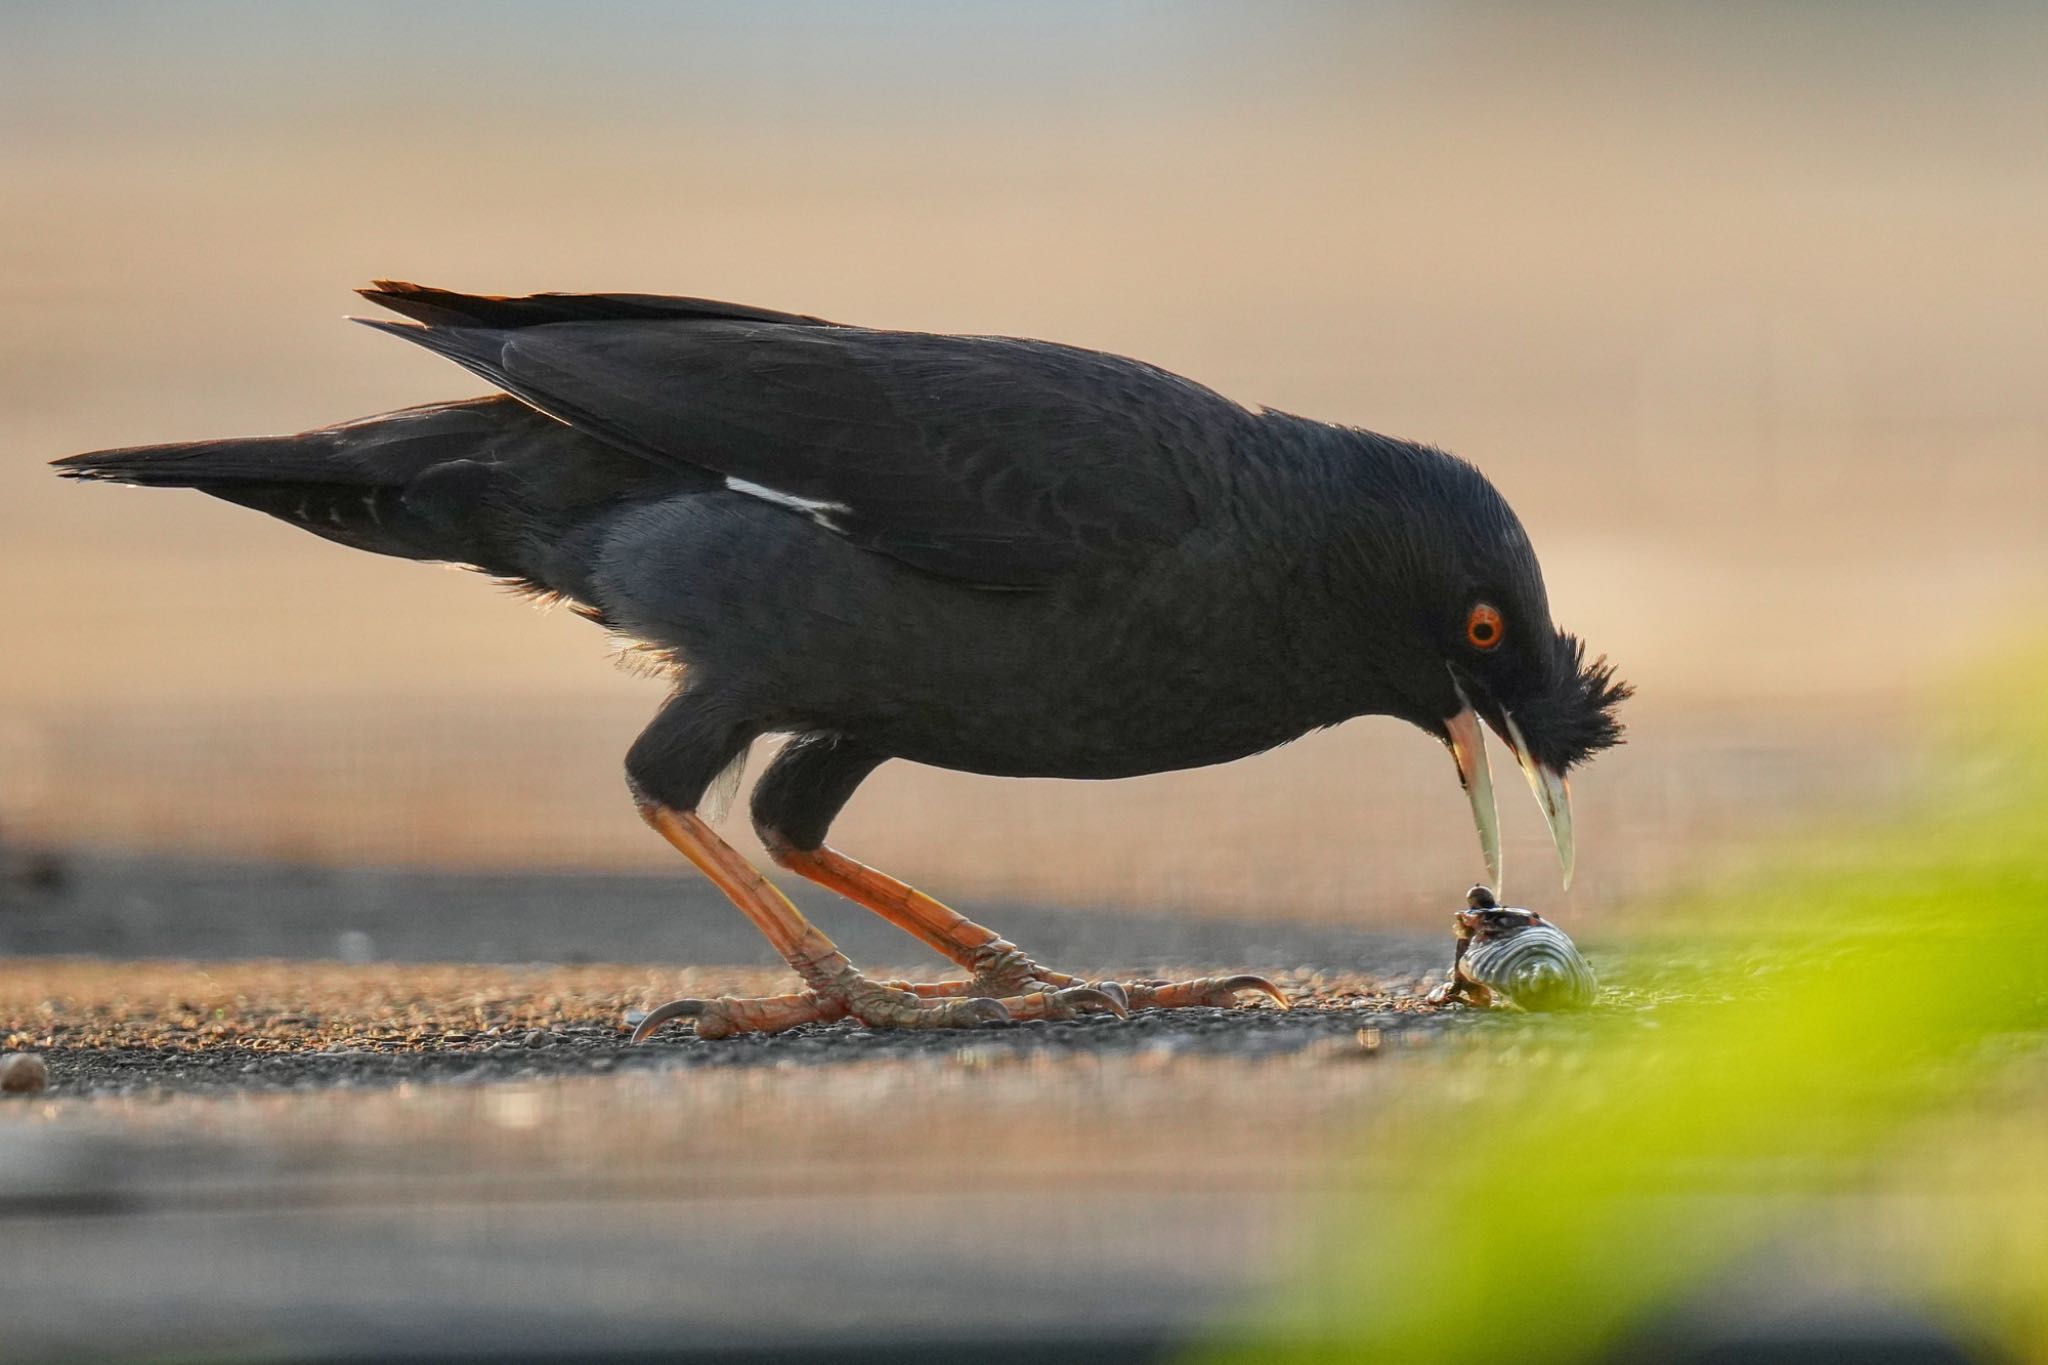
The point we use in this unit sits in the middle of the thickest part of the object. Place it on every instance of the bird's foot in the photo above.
(1030, 999)
(878, 1004)
(1004, 972)
(1007, 986)
(1002, 969)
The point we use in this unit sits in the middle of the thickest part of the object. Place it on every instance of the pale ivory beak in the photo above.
(1553, 794)
(1468, 747)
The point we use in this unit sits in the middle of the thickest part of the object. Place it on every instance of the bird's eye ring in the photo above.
(1484, 627)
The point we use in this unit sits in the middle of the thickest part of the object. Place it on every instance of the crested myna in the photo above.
(985, 553)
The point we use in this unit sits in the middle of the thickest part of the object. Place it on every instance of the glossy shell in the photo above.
(1538, 967)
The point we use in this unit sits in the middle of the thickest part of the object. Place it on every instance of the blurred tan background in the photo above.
(1742, 307)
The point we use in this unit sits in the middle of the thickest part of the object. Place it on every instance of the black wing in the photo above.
(1000, 462)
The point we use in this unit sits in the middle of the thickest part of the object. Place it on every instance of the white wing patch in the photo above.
(817, 509)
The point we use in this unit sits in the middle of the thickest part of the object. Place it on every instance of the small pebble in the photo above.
(23, 1073)
(540, 1037)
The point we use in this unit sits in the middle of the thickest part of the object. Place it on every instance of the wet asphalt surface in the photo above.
(143, 906)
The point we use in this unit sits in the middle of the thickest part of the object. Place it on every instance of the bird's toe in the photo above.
(1069, 1002)
(882, 1007)
(728, 1015)
(1214, 991)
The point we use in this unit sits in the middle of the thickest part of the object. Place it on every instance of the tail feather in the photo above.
(196, 464)
(447, 308)
(308, 480)
(391, 447)
(487, 482)
(479, 350)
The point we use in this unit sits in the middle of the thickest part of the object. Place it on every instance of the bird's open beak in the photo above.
(1553, 793)
(1468, 747)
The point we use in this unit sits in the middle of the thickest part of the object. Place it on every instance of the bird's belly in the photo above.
(1107, 727)
(1071, 760)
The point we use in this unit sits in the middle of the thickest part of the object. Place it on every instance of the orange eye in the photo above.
(1484, 627)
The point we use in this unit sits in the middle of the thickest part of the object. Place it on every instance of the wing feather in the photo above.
(997, 461)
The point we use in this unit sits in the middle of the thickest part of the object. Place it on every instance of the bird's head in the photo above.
(1533, 686)
(1477, 641)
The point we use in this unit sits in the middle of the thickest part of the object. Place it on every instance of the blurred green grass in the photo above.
(1843, 1063)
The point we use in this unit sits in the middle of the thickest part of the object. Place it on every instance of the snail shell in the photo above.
(1535, 965)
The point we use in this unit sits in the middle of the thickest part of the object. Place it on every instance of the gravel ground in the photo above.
(435, 1002)
(124, 1027)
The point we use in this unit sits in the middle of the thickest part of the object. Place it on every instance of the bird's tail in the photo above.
(349, 483)
(281, 475)
(486, 482)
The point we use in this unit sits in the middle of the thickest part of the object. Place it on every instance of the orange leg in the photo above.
(980, 950)
(834, 988)
(999, 968)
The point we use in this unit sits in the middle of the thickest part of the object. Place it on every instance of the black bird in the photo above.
(985, 553)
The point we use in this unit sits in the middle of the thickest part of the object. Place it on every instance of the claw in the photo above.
(1249, 982)
(1093, 1000)
(725, 1016)
(1068, 1003)
(1115, 991)
(653, 1019)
